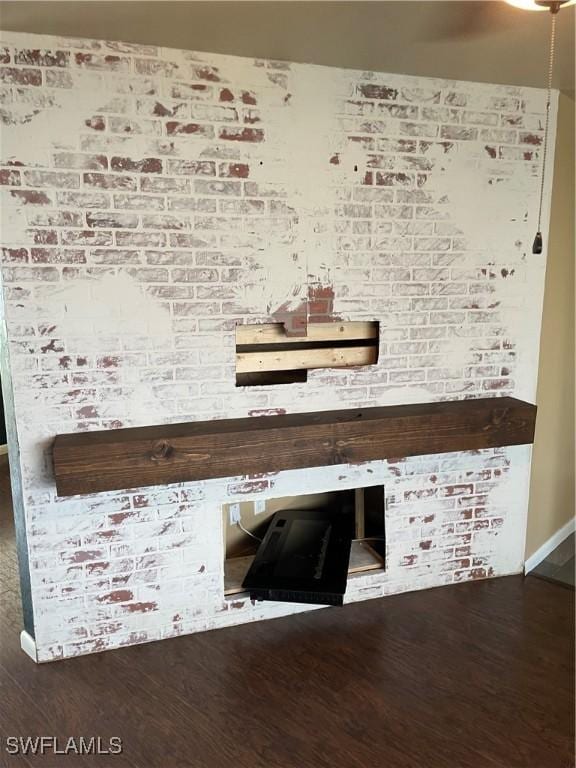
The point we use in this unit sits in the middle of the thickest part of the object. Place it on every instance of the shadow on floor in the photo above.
(559, 565)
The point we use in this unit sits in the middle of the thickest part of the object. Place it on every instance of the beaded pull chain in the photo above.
(537, 245)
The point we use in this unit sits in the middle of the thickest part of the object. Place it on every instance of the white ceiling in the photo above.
(463, 39)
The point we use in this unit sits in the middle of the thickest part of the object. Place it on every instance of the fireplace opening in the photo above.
(250, 526)
(266, 355)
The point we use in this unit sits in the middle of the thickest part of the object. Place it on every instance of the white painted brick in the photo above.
(137, 240)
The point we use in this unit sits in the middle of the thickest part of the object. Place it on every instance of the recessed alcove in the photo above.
(266, 354)
(245, 524)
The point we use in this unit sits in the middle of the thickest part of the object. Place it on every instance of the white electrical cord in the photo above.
(246, 531)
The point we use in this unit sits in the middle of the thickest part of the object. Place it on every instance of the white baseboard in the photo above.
(28, 645)
(550, 545)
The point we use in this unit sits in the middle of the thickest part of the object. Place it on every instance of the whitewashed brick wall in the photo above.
(151, 200)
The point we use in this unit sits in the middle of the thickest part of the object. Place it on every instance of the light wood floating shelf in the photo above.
(274, 333)
(90, 462)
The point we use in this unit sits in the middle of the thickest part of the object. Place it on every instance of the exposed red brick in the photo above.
(146, 165)
(531, 138)
(234, 170)
(117, 596)
(43, 236)
(370, 91)
(496, 384)
(242, 134)
(65, 361)
(14, 76)
(294, 319)
(457, 490)
(141, 607)
(321, 303)
(474, 573)
(206, 73)
(31, 197)
(14, 255)
(9, 177)
(393, 179)
(251, 116)
(319, 308)
(174, 127)
(83, 556)
(85, 237)
(102, 62)
(462, 551)
(87, 412)
(46, 330)
(161, 111)
(189, 90)
(96, 123)
(42, 58)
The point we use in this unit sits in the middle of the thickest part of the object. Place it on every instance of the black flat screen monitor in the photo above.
(303, 558)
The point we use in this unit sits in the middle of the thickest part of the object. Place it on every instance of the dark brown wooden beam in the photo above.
(109, 460)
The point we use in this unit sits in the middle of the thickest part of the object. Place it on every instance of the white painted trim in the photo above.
(3, 449)
(28, 645)
(550, 545)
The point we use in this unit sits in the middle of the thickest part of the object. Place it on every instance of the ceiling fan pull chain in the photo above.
(537, 245)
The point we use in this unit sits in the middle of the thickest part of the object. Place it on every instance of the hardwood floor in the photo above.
(472, 676)
(559, 566)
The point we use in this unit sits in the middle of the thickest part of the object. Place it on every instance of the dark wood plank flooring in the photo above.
(472, 676)
(559, 566)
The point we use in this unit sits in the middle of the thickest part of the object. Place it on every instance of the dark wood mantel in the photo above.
(90, 462)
